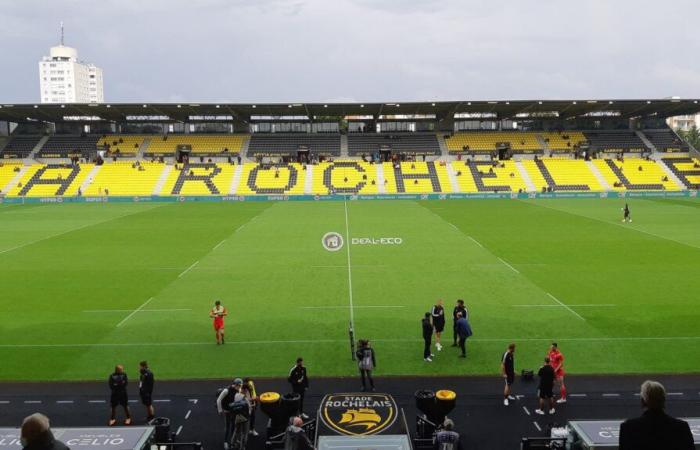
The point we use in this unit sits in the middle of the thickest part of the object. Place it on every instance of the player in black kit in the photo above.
(626, 214)
(459, 308)
(438, 316)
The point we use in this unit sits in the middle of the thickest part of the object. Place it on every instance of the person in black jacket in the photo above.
(458, 309)
(427, 336)
(655, 429)
(366, 363)
(146, 382)
(300, 383)
(117, 385)
(295, 438)
(36, 434)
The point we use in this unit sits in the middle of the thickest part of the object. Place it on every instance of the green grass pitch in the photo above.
(85, 286)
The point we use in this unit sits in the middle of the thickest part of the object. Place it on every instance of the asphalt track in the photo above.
(480, 416)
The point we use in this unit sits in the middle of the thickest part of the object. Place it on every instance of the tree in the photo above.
(691, 136)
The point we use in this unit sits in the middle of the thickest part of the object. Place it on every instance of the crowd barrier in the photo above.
(350, 197)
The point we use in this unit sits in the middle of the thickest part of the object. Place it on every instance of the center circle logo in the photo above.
(332, 241)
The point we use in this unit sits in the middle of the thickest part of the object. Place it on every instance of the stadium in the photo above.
(476, 228)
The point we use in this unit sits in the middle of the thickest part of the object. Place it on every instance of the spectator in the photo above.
(546, 374)
(146, 381)
(508, 372)
(295, 437)
(36, 434)
(447, 438)
(459, 308)
(223, 405)
(464, 330)
(249, 387)
(300, 383)
(438, 315)
(118, 382)
(655, 429)
(366, 362)
(427, 337)
(240, 412)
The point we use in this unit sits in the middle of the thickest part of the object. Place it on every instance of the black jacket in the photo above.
(655, 430)
(118, 382)
(46, 442)
(297, 377)
(146, 381)
(295, 438)
(427, 328)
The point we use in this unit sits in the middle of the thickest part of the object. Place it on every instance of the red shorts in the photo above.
(218, 324)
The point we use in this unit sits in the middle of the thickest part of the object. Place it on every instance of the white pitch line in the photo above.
(537, 425)
(129, 310)
(509, 266)
(526, 410)
(179, 429)
(219, 244)
(62, 402)
(475, 241)
(188, 269)
(347, 246)
(240, 228)
(454, 226)
(193, 400)
(343, 306)
(187, 416)
(674, 393)
(596, 305)
(97, 401)
(4, 402)
(134, 312)
(567, 308)
(577, 395)
(163, 400)
(32, 402)
(611, 395)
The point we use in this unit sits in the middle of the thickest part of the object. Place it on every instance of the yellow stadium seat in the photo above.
(288, 179)
(120, 178)
(51, 173)
(221, 176)
(650, 177)
(7, 173)
(572, 172)
(200, 143)
(486, 141)
(345, 177)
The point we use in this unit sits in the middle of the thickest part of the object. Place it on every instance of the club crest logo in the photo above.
(332, 241)
(358, 414)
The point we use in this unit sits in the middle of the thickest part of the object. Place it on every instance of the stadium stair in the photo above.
(89, 178)
(453, 178)
(343, 145)
(670, 172)
(525, 176)
(143, 148)
(646, 141)
(380, 179)
(444, 151)
(236, 180)
(601, 179)
(37, 148)
(309, 181)
(158, 188)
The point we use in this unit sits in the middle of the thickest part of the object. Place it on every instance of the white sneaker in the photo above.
(432, 356)
(540, 412)
(304, 416)
(510, 397)
(505, 402)
(253, 433)
(428, 359)
(561, 400)
(552, 411)
(438, 347)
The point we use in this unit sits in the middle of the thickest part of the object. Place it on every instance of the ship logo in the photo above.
(358, 414)
(363, 417)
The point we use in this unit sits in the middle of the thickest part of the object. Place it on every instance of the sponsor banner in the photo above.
(351, 197)
(377, 241)
(358, 414)
(112, 438)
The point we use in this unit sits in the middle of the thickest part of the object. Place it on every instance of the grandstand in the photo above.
(403, 143)
(269, 144)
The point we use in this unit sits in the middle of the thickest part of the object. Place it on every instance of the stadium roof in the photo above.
(184, 112)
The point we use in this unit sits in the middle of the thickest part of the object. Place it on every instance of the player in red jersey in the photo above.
(556, 360)
(218, 313)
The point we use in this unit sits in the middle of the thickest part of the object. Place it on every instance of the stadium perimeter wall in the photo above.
(258, 198)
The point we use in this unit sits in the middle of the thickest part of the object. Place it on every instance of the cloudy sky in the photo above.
(361, 50)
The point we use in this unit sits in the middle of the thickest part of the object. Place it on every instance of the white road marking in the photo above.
(163, 400)
(475, 241)
(187, 416)
(61, 402)
(194, 400)
(133, 401)
(567, 308)
(359, 306)
(97, 401)
(32, 402)
(577, 395)
(537, 425)
(177, 433)
(509, 266)
(674, 393)
(188, 269)
(4, 402)
(526, 410)
(134, 312)
(347, 246)
(611, 395)
(219, 244)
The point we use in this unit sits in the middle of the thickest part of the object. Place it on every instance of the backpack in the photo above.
(226, 402)
(239, 408)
